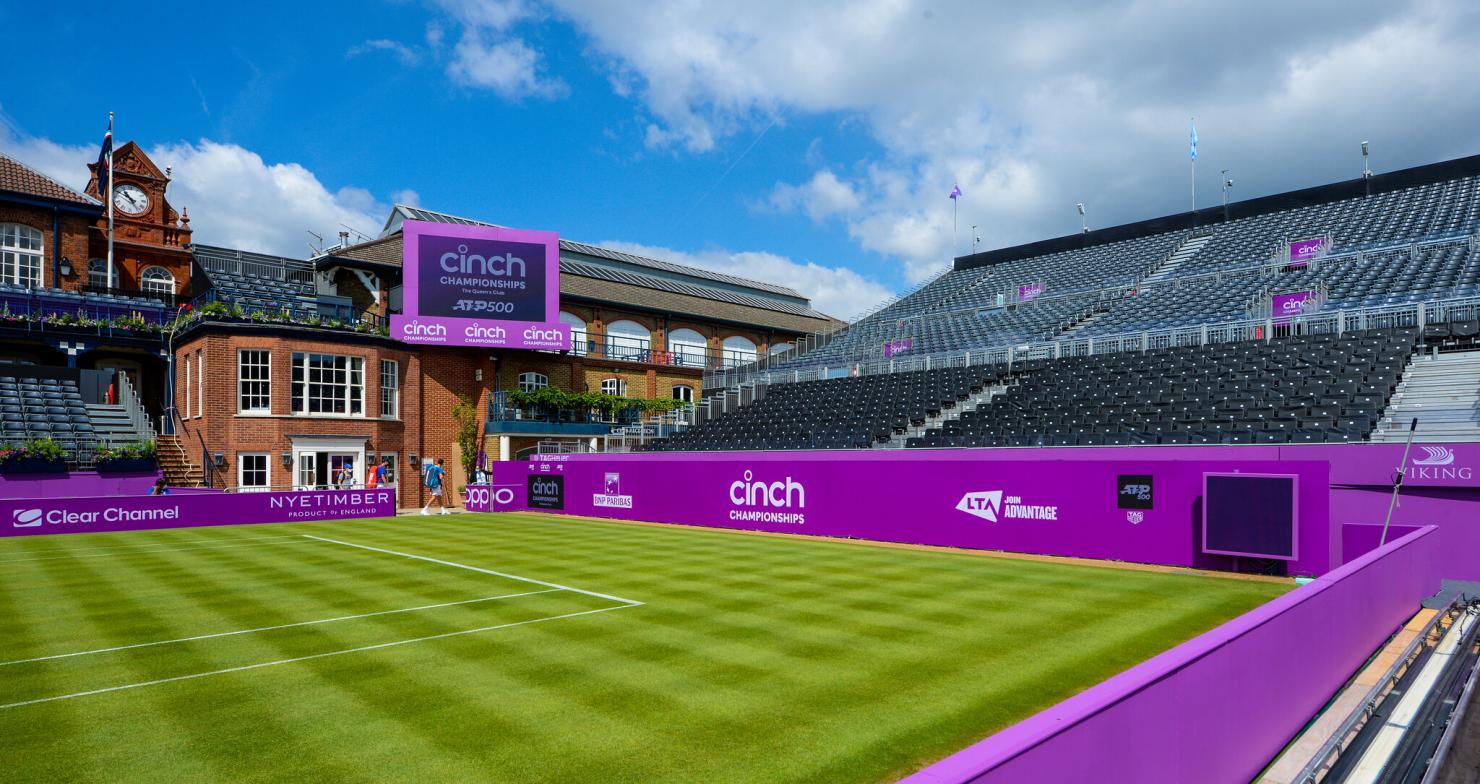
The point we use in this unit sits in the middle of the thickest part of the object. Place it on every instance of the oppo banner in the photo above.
(1130, 510)
(480, 286)
(33, 516)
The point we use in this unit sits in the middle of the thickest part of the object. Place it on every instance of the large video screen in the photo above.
(1251, 514)
(480, 286)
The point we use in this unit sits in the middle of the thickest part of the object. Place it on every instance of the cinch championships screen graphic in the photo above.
(480, 286)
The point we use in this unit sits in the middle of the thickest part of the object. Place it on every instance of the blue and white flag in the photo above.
(1192, 150)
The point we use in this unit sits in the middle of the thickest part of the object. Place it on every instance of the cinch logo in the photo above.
(550, 335)
(752, 492)
(1435, 456)
(983, 504)
(475, 331)
(25, 518)
(473, 264)
(1294, 305)
(424, 330)
(990, 504)
(546, 492)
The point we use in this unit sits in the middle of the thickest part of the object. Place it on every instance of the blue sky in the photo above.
(812, 144)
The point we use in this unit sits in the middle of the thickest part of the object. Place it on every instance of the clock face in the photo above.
(131, 199)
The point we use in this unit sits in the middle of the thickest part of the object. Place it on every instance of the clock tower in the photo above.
(151, 241)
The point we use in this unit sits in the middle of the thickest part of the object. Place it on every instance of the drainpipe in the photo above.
(56, 247)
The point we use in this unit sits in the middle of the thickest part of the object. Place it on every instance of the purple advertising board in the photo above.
(1029, 291)
(1118, 509)
(40, 516)
(1303, 252)
(1291, 304)
(892, 347)
(480, 286)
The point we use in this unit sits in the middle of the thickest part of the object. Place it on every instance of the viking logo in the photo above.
(1435, 456)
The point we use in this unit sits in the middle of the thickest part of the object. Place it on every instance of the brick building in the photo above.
(290, 375)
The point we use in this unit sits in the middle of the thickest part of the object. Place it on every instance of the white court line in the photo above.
(630, 602)
(272, 628)
(311, 657)
(145, 550)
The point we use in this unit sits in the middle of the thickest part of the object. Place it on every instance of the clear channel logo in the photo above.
(993, 506)
(25, 518)
(611, 496)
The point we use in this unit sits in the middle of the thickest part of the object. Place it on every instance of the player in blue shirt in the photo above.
(433, 476)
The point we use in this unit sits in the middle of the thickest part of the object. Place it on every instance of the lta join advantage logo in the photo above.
(989, 505)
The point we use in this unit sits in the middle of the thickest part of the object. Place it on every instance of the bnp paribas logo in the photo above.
(25, 518)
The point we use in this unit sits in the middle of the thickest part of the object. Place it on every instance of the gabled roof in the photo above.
(16, 177)
(402, 213)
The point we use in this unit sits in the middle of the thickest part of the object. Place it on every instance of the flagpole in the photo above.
(1194, 185)
(108, 197)
(955, 235)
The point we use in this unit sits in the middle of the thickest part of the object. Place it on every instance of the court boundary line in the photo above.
(454, 564)
(311, 657)
(294, 625)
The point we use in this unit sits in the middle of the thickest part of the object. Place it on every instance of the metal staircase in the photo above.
(969, 404)
(1443, 392)
(1181, 254)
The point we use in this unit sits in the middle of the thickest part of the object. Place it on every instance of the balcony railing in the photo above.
(505, 416)
(212, 305)
(165, 298)
(641, 350)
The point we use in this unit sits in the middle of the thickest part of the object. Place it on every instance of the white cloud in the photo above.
(836, 291)
(402, 52)
(489, 55)
(1032, 107)
(235, 198)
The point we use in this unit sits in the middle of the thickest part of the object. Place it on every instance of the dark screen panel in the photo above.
(1249, 515)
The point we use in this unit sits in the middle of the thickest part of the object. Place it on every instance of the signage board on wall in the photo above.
(480, 286)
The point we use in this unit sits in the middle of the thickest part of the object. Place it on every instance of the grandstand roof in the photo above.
(605, 275)
(1211, 216)
(16, 177)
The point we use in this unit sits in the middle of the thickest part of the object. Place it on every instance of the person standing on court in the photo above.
(434, 477)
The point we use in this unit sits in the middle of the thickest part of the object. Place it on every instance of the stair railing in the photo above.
(138, 418)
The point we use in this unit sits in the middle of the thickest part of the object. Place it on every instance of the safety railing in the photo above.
(138, 418)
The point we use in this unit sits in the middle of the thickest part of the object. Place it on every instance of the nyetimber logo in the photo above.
(748, 493)
(990, 505)
(1435, 456)
(25, 518)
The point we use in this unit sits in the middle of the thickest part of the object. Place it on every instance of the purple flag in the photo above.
(956, 192)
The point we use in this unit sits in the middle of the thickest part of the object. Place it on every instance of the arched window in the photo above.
(738, 351)
(97, 275)
(578, 344)
(627, 340)
(158, 280)
(688, 347)
(20, 255)
(614, 386)
(533, 382)
(683, 392)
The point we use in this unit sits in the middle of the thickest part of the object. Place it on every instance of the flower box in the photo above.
(32, 465)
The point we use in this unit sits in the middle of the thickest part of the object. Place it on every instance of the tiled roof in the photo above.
(17, 177)
(576, 286)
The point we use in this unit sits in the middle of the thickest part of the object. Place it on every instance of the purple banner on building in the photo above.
(900, 346)
(1284, 307)
(480, 286)
(38, 516)
(1058, 507)
(1030, 291)
(1305, 251)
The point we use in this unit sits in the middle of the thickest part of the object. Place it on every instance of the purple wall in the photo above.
(75, 484)
(1060, 507)
(1220, 706)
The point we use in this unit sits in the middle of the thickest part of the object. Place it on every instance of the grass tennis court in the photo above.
(537, 648)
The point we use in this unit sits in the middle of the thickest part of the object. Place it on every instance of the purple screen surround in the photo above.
(1288, 509)
(502, 289)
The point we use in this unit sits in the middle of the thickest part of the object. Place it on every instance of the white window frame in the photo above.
(150, 279)
(688, 388)
(390, 404)
(188, 379)
(241, 472)
(242, 382)
(22, 250)
(531, 381)
(101, 273)
(307, 365)
(619, 386)
(200, 383)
